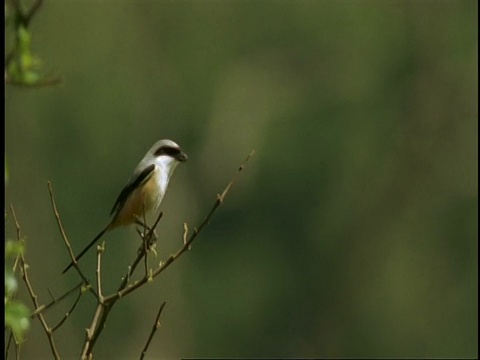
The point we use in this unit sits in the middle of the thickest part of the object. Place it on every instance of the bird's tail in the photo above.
(87, 248)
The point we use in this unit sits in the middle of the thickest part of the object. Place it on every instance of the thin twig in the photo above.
(17, 260)
(18, 350)
(33, 9)
(93, 330)
(55, 300)
(185, 233)
(140, 253)
(144, 240)
(42, 308)
(60, 226)
(98, 322)
(99, 271)
(24, 267)
(67, 242)
(23, 18)
(17, 229)
(67, 314)
(48, 330)
(9, 342)
(155, 327)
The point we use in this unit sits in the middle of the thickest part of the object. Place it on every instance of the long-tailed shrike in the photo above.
(144, 190)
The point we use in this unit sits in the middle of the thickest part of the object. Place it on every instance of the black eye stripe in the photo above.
(167, 150)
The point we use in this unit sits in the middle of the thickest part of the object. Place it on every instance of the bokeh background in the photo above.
(353, 230)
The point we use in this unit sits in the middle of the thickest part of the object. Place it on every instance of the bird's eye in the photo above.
(167, 150)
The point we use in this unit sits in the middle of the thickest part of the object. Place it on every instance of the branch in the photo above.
(24, 267)
(99, 271)
(17, 228)
(29, 15)
(144, 240)
(93, 331)
(25, 74)
(142, 250)
(103, 309)
(7, 345)
(45, 307)
(25, 17)
(155, 327)
(48, 330)
(67, 242)
(67, 314)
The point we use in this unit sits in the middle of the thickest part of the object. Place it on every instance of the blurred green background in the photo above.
(352, 232)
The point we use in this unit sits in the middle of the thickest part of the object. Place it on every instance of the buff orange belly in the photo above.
(142, 199)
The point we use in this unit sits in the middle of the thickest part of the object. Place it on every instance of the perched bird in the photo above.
(144, 190)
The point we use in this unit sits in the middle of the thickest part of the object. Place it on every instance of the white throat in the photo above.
(164, 168)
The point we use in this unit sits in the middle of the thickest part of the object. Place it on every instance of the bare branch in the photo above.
(48, 330)
(144, 241)
(24, 270)
(18, 350)
(95, 328)
(185, 233)
(29, 15)
(14, 268)
(99, 271)
(98, 323)
(9, 342)
(17, 228)
(155, 327)
(23, 18)
(67, 314)
(140, 253)
(55, 300)
(65, 239)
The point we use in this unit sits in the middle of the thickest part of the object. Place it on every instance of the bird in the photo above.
(144, 190)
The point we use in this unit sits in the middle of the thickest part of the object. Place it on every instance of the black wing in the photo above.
(132, 185)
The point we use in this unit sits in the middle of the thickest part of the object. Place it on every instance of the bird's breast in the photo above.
(144, 199)
(154, 189)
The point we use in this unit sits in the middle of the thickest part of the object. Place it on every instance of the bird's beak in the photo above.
(182, 157)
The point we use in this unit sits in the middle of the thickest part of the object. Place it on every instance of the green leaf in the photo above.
(17, 318)
(11, 283)
(14, 248)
